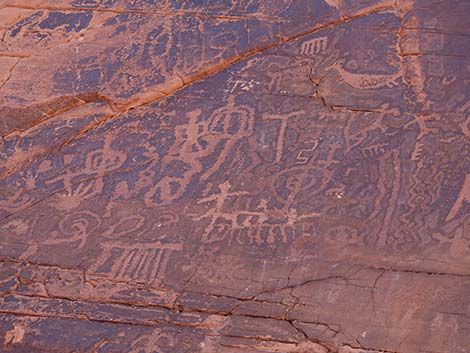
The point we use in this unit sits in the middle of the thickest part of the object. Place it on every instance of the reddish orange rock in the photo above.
(235, 176)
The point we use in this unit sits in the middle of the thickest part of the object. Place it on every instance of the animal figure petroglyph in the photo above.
(366, 81)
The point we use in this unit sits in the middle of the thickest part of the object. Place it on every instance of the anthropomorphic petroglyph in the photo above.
(241, 224)
(199, 139)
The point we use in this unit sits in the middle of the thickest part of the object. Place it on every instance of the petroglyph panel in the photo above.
(237, 176)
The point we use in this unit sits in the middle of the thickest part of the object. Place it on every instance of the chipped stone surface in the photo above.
(235, 176)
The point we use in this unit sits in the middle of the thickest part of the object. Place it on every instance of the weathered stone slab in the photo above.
(234, 176)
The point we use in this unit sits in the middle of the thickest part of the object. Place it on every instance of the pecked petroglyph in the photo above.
(145, 262)
(214, 176)
(366, 81)
(256, 225)
(314, 46)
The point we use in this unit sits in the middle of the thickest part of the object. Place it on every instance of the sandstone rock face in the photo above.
(235, 176)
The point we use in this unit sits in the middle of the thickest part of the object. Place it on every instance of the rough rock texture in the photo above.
(235, 176)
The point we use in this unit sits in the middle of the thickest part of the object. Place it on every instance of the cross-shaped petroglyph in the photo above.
(282, 129)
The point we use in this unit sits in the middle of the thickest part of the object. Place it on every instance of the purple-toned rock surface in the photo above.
(206, 176)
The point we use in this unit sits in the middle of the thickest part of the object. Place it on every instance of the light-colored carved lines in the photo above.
(142, 262)
(391, 207)
(314, 46)
(464, 195)
(305, 154)
(282, 130)
(367, 81)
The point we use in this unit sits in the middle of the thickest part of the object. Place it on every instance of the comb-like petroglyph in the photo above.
(234, 176)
